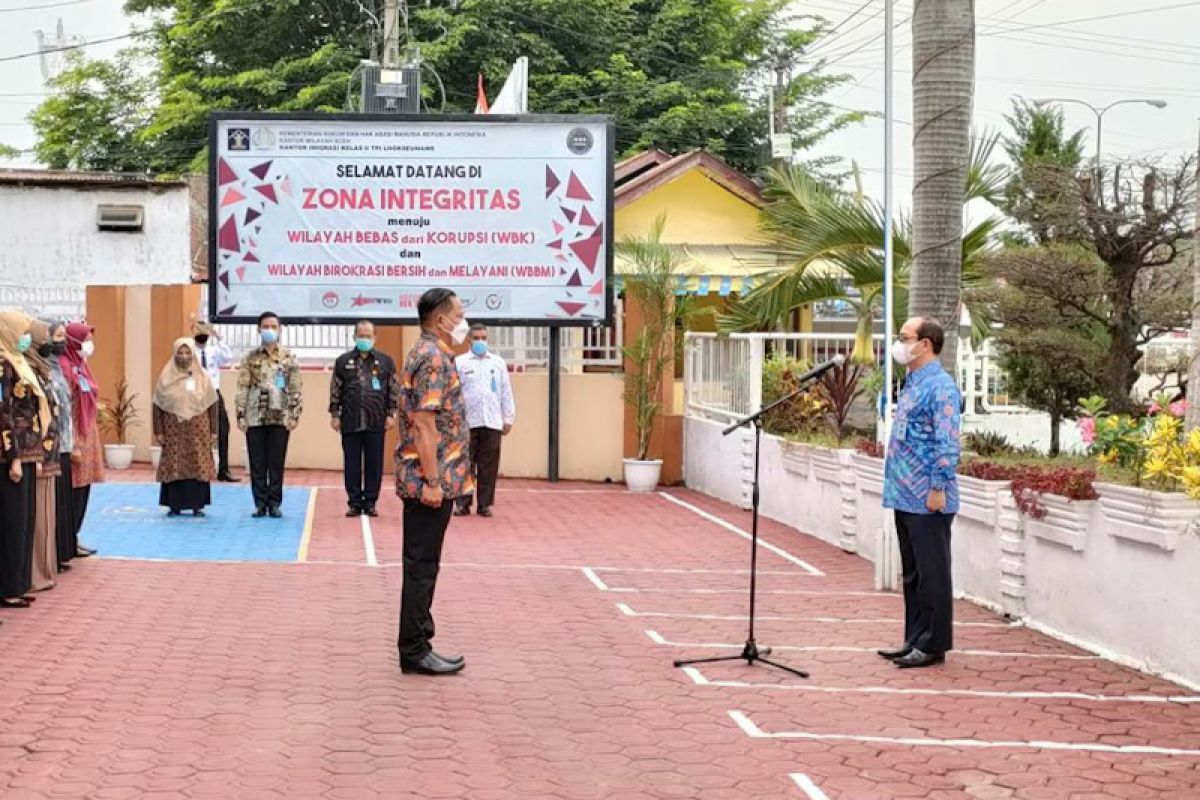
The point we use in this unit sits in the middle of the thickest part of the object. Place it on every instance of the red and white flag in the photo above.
(481, 101)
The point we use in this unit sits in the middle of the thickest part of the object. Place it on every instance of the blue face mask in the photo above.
(269, 336)
(364, 345)
(479, 348)
(24, 343)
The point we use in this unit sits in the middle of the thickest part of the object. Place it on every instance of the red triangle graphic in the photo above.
(585, 217)
(571, 308)
(241, 273)
(575, 190)
(568, 213)
(251, 215)
(589, 249)
(558, 226)
(227, 236)
(260, 171)
(575, 280)
(225, 173)
(552, 181)
(252, 257)
(224, 279)
(556, 244)
(267, 191)
(232, 195)
(597, 289)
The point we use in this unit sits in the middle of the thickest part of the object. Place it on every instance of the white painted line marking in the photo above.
(702, 571)
(629, 612)
(594, 578)
(763, 543)
(750, 729)
(701, 680)
(809, 592)
(808, 787)
(658, 638)
(368, 542)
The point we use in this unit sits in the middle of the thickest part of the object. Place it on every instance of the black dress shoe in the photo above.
(259, 512)
(919, 658)
(429, 664)
(275, 512)
(64, 568)
(225, 477)
(371, 512)
(353, 511)
(462, 511)
(486, 511)
(892, 655)
(174, 512)
(84, 552)
(456, 659)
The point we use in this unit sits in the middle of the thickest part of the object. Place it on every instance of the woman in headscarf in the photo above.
(25, 424)
(45, 527)
(87, 458)
(185, 426)
(60, 388)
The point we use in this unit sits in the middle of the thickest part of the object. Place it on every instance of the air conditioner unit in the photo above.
(391, 91)
(120, 219)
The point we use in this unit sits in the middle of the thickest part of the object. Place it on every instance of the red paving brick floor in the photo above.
(153, 680)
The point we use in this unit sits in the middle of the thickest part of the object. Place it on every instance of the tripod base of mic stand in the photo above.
(751, 654)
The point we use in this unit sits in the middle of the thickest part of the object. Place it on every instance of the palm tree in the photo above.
(943, 33)
(814, 227)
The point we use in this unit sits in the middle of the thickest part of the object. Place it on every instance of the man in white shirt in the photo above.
(215, 354)
(487, 392)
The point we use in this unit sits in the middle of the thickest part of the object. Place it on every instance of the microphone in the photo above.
(822, 368)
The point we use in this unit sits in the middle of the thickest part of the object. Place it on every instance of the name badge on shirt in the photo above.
(495, 383)
(190, 385)
(376, 385)
(280, 380)
(84, 386)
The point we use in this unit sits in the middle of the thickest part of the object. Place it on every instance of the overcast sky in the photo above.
(1143, 54)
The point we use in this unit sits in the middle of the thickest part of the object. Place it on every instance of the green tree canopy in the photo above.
(677, 74)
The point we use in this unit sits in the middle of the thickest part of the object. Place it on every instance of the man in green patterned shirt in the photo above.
(269, 402)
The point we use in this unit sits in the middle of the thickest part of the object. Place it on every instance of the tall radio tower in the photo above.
(53, 50)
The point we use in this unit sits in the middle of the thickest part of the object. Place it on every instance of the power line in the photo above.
(58, 4)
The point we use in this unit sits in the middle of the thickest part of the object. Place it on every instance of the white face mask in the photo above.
(459, 334)
(87, 348)
(903, 351)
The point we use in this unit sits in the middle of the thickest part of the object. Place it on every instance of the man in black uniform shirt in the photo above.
(364, 397)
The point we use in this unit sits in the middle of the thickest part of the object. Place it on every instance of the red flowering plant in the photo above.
(1029, 483)
(869, 447)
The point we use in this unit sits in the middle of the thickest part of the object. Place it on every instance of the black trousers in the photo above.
(268, 446)
(17, 509)
(362, 465)
(66, 539)
(222, 436)
(79, 507)
(424, 534)
(485, 466)
(928, 585)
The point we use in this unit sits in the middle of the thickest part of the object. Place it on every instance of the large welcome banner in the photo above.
(340, 217)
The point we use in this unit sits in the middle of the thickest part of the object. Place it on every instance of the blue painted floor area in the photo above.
(125, 520)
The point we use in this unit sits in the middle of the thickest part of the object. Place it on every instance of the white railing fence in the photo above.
(525, 349)
(723, 375)
(59, 302)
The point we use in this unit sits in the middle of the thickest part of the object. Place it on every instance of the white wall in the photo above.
(48, 237)
(1027, 429)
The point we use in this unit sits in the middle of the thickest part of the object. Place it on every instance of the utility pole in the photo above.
(781, 142)
(1192, 419)
(391, 34)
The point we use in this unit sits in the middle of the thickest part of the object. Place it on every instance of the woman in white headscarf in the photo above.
(185, 426)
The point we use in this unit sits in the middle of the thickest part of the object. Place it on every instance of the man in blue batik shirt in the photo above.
(921, 487)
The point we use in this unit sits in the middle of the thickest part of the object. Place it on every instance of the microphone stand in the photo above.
(751, 652)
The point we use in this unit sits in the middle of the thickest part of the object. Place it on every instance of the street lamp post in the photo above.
(1100, 112)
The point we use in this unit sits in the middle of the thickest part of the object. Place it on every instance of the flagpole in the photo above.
(889, 274)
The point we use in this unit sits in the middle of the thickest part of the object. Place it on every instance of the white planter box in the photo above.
(979, 500)
(642, 476)
(155, 456)
(868, 471)
(830, 465)
(1145, 516)
(1065, 523)
(797, 458)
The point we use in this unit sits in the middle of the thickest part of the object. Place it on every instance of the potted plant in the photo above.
(118, 417)
(650, 281)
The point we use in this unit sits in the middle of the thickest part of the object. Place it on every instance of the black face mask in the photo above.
(202, 340)
(46, 349)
